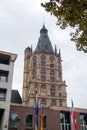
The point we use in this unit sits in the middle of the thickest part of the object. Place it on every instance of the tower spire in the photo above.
(44, 45)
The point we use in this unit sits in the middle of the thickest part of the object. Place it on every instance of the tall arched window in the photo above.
(34, 61)
(33, 74)
(43, 78)
(52, 91)
(51, 62)
(43, 61)
(52, 78)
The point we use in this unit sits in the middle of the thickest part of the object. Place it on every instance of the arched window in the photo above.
(52, 91)
(43, 78)
(51, 62)
(33, 74)
(52, 78)
(43, 103)
(43, 61)
(53, 103)
(34, 61)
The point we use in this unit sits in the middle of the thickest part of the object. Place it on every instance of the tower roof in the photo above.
(44, 45)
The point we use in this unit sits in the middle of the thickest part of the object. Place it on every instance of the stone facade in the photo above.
(43, 75)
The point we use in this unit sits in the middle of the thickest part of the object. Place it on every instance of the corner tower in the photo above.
(43, 75)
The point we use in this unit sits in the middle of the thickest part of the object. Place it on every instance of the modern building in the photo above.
(43, 76)
(6, 75)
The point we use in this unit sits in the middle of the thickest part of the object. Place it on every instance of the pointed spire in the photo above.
(44, 45)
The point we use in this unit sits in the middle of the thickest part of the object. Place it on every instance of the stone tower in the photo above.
(43, 75)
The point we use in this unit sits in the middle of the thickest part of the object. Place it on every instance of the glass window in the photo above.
(29, 121)
(43, 61)
(14, 120)
(43, 76)
(52, 91)
(3, 76)
(2, 94)
(83, 120)
(65, 120)
(52, 78)
(44, 122)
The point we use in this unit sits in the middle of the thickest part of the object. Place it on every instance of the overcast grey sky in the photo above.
(20, 24)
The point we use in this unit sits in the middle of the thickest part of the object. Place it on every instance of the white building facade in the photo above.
(6, 75)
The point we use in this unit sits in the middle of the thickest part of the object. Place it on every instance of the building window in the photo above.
(43, 103)
(52, 78)
(33, 74)
(51, 66)
(43, 61)
(43, 76)
(52, 91)
(3, 76)
(29, 121)
(34, 61)
(44, 119)
(59, 94)
(14, 120)
(83, 120)
(65, 120)
(2, 94)
(53, 103)
(4, 59)
(45, 122)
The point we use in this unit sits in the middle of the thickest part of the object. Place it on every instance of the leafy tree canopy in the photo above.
(71, 13)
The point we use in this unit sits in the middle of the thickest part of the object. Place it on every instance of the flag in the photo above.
(42, 120)
(36, 111)
(73, 117)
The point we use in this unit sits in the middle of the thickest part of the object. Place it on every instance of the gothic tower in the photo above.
(43, 75)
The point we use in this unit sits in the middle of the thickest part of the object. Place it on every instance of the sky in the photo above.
(20, 24)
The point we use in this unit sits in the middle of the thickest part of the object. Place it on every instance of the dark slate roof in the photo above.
(44, 45)
(15, 97)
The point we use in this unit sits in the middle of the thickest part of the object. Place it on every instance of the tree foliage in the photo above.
(71, 13)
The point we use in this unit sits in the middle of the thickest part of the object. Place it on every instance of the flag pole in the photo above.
(36, 112)
(73, 117)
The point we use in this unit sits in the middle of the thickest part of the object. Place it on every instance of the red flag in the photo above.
(42, 120)
(73, 118)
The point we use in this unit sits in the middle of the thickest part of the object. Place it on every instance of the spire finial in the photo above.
(43, 21)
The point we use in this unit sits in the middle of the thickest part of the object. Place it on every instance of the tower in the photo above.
(43, 75)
